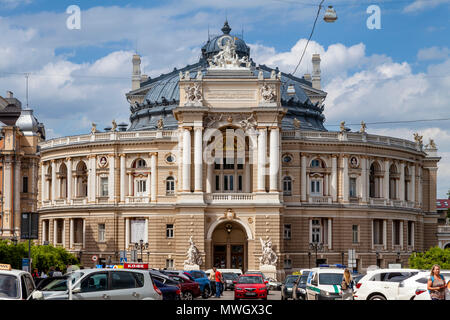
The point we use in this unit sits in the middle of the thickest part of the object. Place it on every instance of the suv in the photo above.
(201, 278)
(107, 284)
(421, 292)
(382, 284)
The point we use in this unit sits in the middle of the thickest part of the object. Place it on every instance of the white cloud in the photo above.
(11, 4)
(420, 5)
(433, 53)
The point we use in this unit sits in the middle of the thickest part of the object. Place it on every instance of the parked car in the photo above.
(169, 291)
(273, 284)
(261, 274)
(15, 284)
(250, 286)
(324, 284)
(421, 292)
(189, 288)
(201, 278)
(299, 287)
(286, 287)
(42, 282)
(103, 284)
(382, 284)
(229, 277)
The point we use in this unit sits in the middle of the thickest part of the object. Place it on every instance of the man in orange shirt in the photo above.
(218, 279)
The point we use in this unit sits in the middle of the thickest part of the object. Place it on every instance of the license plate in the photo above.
(250, 294)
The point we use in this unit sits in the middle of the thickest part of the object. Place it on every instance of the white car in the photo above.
(421, 292)
(15, 284)
(324, 284)
(383, 284)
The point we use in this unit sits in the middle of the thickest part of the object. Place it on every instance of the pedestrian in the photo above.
(35, 274)
(44, 274)
(447, 291)
(436, 284)
(347, 285)
(52, 270)
(212, 281)
(57, 273)
(218, 279)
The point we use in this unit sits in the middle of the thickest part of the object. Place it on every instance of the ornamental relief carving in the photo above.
(245, 121)
(193, 94)
(268, 93)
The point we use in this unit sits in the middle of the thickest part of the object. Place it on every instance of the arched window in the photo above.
(287, 186)
(63, 181)
(392, 182)
(407, 180)
(139, 163)
(374, 180)
(81, 180)
(317, 163)
(170, 186)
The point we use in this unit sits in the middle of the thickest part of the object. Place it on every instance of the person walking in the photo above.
(57, 273)
(44, 274)
(52, 270)
(218, 280)
(436, 284)
(347, 285)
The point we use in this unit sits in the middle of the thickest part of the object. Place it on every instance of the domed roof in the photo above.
(27, 123)
(211, 47)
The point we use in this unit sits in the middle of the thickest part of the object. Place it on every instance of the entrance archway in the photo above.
(229, 246)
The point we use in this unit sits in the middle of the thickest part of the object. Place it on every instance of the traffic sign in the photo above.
(122, 260)
(94, 258)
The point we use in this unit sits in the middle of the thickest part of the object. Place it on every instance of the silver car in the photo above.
(104, 284)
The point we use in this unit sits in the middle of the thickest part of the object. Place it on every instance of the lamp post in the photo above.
(316, 246)
(377, 254)
(141, 245)
(309, 260)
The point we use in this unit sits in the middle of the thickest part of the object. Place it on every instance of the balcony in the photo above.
(237, 198)
(443, 229)
(320, 199)
(132, 199)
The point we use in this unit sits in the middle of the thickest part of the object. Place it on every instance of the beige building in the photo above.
(231, 153)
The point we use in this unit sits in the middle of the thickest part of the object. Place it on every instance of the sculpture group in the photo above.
(268, 257)
(193, 255)
(227, 58)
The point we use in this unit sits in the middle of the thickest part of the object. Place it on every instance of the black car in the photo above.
(286, 287)
(299, 288)
(228, 278)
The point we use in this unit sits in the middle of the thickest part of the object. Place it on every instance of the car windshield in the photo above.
(330, 278)
(8, 286)
(230, 276)
(303, 279)
(61, 283)
(197, 274)
(291, 279)
(250, 279)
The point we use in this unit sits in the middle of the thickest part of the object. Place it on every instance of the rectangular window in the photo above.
(101, 232)
(396, 232)
(316, 231)
(315, 187)
(141, 187)
(217, 183)
(239, 183)
(378, 232)
(25, 184)
(410, 233)
(169, 263)
(104, 186)
(355, 233)
(352, 187)
(169, 231)
(287, 263)
(228, 183)
(170, 186)
(287, 231)
(137, 227)
(78, 230)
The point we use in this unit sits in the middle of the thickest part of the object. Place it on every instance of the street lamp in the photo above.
(316, 246)
(378, 256)
(14, 240)
(141, 246)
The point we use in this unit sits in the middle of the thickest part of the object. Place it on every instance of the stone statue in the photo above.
(94, 128)
(297, 123)
(248, 124)
(160, 124)
(193, 255)
(268, 257)
(268, 93)
(342, 127)
(260, 75)
(187, 75)
(273, 75)
(431, 144)
(199, 75)
(227, 57)
(114, 125)
(418, 138)
(363, 127)
(193, 93)
(181, 75)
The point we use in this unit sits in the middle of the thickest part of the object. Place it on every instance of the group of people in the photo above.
(438, 288)
(52, 272)
(216, 276)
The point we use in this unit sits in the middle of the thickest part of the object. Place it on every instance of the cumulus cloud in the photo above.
(420, 5)
(433, 53)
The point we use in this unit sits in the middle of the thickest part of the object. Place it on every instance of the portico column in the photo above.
(363, 179)
(274, 165)
(247, 177)
(71, 234)
(111, 178)
(402, 182)
(209, 177)
(148, 188)
(55, 227)
(334, 177)
(401, 235)
(262, 157)
(122, 177)
(345, 178)
(53, 181)
(187, 159)
(325, 185)
(386, 179)
(92, 178)
(43, 179)
(153, 176)
(198, 161)
(303, 177)
(69, 179)
(130, 184)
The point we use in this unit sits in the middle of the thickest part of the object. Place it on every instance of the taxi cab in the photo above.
(324, 283)
(15, 284)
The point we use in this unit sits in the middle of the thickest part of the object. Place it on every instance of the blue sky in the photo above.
(400, 72)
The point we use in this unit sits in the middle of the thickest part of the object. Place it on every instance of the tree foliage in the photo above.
(425, 260)
(43, 257)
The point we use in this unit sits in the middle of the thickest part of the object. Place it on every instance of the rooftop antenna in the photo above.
(208, 31)
(27, 75)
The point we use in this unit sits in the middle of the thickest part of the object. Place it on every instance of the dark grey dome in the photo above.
(164, 95)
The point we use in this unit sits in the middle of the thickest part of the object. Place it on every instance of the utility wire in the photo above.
(351, 3)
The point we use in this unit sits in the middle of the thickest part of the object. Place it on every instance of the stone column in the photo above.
(345, 179)
(209, 177)
(84, 233)
(303, 177)
(122, 177)
(274, 165)
(187, 159)
(153, 176)
(71, 235)
(325, 185)
(334, 177)
(385, 234)
(53, 181)
(402, 182)
(401, 235)
(262, 158)
(127, 233)
(247, 181)
(148, 188)
(363, 180)
(43, 179)
(111, 178)
(69, 179)
(198, 160)
(386, 179)
(92, 177)
(413, 183)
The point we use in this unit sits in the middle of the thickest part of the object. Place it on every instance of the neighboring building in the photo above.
(443, 208)
(20, 136)
(102, 192)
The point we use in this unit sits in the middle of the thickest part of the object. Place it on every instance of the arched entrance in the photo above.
(229, 246)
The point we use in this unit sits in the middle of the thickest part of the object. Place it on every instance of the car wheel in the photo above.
(265, 299)
(206, 293)
(377, 297)
(188, 296)
(236, 299)
(282, 297)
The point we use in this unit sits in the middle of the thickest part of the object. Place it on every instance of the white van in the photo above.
(324, 284)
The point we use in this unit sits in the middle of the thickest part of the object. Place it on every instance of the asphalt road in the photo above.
(229, 295)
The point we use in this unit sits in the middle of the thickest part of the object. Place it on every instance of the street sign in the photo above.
(29, 225)
(26, 264)
(94, 258)
(133, 255)
(351, 258)
(123, 254)
(122, 260)
(135, 266)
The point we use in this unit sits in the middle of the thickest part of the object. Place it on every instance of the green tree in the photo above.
(425, 260)
(43, 257)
